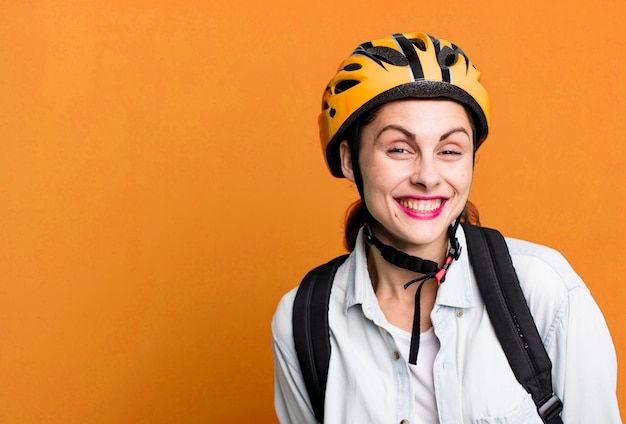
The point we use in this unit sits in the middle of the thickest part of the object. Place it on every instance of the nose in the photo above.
(425, 173)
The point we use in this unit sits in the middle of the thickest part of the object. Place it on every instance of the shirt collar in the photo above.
(456, 291)
(359, 290)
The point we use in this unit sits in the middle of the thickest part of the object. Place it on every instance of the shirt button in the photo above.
(404, 422)
(396, 356)
(459, 314)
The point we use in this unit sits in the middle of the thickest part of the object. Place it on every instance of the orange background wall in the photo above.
(161, 184)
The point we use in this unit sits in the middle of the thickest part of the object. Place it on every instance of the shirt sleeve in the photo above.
(576, 336)
(291, 400)
(584, 362)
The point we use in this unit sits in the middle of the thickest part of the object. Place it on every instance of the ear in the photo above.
(346, 160)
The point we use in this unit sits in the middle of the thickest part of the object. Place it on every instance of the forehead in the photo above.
(419, 119)
(422, 111)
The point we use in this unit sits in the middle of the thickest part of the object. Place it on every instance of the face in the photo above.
(416, 159)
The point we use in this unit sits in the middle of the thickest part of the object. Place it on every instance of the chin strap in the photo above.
(430, 270)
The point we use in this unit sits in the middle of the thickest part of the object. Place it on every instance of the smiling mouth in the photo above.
(421, 205)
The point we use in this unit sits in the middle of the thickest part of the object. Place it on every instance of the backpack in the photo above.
(504, 301)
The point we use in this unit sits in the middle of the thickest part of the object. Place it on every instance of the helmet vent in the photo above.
(388, 55)
(418, 43)
(352, 67)
(447, 57)
(345, 85)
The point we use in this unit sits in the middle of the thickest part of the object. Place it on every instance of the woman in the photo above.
(402, 119)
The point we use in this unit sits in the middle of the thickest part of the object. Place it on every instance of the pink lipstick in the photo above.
(423, 208)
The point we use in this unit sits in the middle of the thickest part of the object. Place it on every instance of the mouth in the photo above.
(422, 208)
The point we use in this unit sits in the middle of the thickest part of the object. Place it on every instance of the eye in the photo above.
(399, 150)
(451, 152)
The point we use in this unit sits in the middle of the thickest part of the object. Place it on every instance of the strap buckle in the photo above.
(550, 409)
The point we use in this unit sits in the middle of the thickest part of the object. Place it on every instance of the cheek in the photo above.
(381, 180)
(464, 181)
(461, 177)
(377, 174)
(378, 186)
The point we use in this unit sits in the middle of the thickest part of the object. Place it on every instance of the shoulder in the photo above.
(547, 280)
(282, 332)
(542, 266)
(282, 322)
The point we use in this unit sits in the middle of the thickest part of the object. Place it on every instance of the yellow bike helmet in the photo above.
(415, 65)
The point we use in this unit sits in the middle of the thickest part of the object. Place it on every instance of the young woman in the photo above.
(402, 119)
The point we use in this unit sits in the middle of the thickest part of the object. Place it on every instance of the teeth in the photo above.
(421, 205)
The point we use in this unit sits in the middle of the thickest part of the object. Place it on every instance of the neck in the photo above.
(417, 258)
(396, 301)
(386, 260)
(391, 270)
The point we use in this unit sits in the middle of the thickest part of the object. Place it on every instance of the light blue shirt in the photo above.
(368, 382)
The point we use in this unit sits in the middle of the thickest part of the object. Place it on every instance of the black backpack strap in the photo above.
(511, 318)
(311, 330)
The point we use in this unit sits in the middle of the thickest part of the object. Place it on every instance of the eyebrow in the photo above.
(455, 130)
(412, 136)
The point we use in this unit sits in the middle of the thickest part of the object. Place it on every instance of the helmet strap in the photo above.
(353, 144)
(429, 269)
